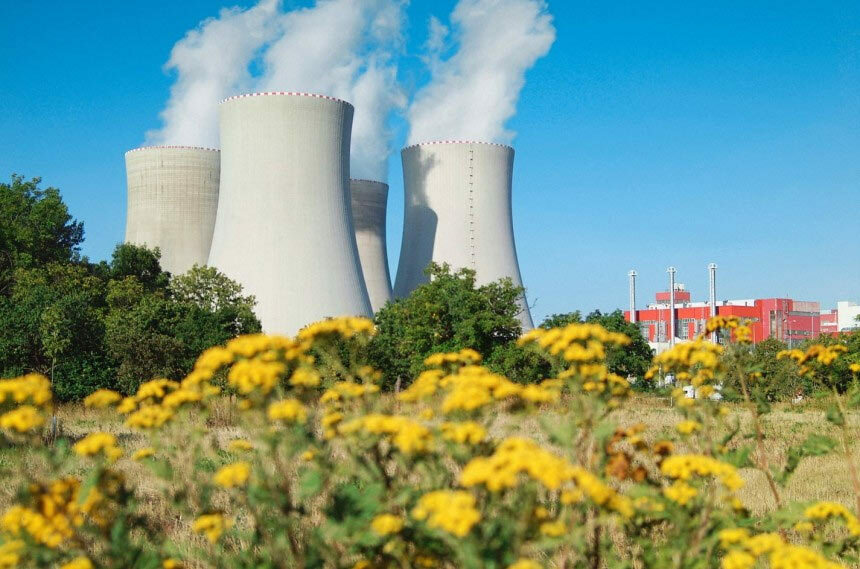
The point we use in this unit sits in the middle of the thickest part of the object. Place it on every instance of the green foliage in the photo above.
(632, 360)
(36, 228)
(449, 313)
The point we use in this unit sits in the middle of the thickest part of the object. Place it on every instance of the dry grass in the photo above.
(817, 478)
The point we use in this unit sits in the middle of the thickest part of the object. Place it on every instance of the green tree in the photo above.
(448, 313)
(632, 360)
(36, 229)
(158, 330)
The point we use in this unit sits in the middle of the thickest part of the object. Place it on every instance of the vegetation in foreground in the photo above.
(323, 471)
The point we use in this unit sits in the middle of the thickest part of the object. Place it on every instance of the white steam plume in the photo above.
(474, 92)
(211, 63)
(345, 49)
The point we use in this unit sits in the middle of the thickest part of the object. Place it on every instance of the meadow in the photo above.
(284, 452)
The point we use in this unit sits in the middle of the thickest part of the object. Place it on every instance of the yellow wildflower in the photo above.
(385, 524)
(95, 443)
(172, 564)
(452, 511)
(684, 467)
(525, 564)
(737, 560)
(143, 453)
(211, 525)
(305, 377)
(22, 419)
(688, 427)
(290, 410)
(102, 398)
(680, 492)
(10, 554)
(78, 563)
(33, 388)
(467, 432)
(240, 445)
(152, 416)
(553, 529)
(233, 475)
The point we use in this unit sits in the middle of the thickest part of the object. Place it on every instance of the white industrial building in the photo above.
(457, 210)
(369, 204)
(172, 202)
(284, 229)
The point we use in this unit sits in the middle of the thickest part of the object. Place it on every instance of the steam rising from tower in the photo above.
(284, 229)
(475, 91)
(458, 211)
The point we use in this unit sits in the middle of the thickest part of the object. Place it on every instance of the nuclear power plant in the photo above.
(369, 203)
(457, 210)
(285, 220)
(172, 201)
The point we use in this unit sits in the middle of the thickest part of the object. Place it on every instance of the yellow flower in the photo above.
(155, 389)
(23, 419)
(233, 475)
(95, 443)
(240, 445)
(143, 453)
(180, 397)
(33, 387)
(855, 368)
(467, 432)
(685, 466)
(10, 554)
(78, 563)
(525, 564)
(126, 406)
(212, 525)
(453, 511)
(290, 410)
(172, 564)
(553, 529)
(737, 560)
(385, 524)
(308, 455)
(150, 417)
(102, 398)
(305, 377)
(803, 527)
(680, 492)
(407, 435)
(688, 427)
(732, 536)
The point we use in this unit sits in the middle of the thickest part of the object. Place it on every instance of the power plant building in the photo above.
(458, 211)
(284, 229)
(369, 203)
(172, 202)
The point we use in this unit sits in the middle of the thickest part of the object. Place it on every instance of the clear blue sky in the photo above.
(728, 132)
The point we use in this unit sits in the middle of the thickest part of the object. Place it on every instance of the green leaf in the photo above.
(816, 445)
(310, 483)
(740, 457)
(561, 432)
(834, 415)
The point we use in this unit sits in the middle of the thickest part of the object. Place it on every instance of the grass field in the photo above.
(817, 478)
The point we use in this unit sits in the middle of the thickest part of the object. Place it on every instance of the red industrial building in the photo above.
(789, 320)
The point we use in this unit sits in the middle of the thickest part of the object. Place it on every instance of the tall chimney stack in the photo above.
(671, 271)
(712, 293)
(632, 274)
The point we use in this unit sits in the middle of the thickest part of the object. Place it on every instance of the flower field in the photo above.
(283, 452)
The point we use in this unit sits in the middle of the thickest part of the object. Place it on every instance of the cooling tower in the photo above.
(369, 200)
(458, 211)
(284, 228)
(172, 200)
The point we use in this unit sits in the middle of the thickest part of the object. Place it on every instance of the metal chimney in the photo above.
(671, 271)
(712, 293)
(632, 274)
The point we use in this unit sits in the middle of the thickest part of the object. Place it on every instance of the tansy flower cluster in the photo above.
(96, 443)
(26, 396)
(686, 466)
(823, 511)
(407, 435)
(744, 550)
(453, 511)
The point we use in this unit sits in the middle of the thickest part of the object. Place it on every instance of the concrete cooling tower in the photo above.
(172, 200)
(458, 211)
(284, 229)
(369, 201)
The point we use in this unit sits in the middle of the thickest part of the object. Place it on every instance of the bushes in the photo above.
(464, 468)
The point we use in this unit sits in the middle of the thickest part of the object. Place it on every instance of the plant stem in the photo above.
(759, 437)
(852, 468)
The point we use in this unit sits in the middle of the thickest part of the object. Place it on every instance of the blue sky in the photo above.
(726, 132)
